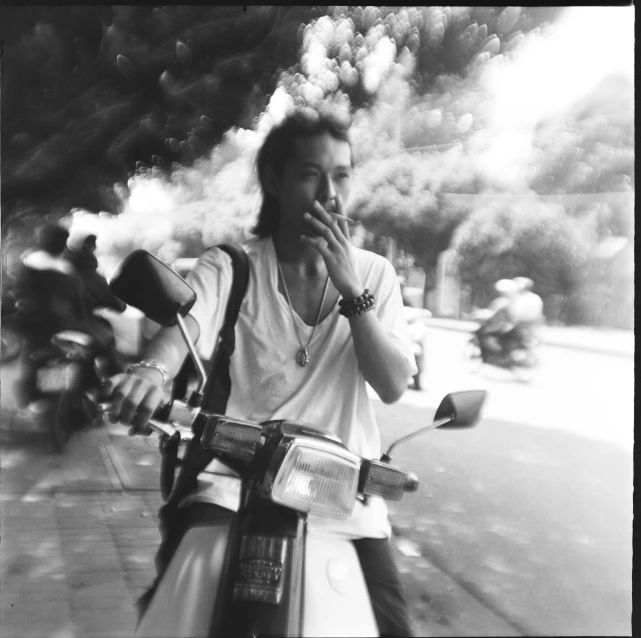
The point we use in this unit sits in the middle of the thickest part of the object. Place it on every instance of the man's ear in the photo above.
(272, 181)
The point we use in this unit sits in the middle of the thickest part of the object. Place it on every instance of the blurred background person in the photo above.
(51, 297)
(80, 252)
(526, 310)
(494, 331)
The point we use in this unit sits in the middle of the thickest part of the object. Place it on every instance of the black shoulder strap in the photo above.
(216, 392)
(218, 387)
(219, 360)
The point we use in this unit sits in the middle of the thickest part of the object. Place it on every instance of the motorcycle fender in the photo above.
(193, 583)
(336, 600)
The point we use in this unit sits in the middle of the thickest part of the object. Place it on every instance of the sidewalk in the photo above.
(73, 564)
(599, 340)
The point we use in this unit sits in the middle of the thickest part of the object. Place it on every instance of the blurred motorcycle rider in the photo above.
(302, 262)
(50, 299)
(526, 310)
(495, 330)
(517, 312)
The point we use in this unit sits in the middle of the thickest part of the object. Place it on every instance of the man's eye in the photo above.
(343, 176)
(309, 174)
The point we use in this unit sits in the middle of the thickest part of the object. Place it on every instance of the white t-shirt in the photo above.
(267, 382)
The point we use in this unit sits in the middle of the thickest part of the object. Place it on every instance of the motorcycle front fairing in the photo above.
(246, 566)
(191, 592)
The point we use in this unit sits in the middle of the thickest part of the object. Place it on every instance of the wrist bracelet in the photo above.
(150, 363)
(358, 305)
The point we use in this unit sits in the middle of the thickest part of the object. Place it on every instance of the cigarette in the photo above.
(349, 220)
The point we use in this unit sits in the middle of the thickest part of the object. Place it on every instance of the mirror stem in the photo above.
(388, 455)
(192, 351)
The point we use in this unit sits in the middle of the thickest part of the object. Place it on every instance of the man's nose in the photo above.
(327, 191)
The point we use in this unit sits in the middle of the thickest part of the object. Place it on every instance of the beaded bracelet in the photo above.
(358, 305)
(150, 363)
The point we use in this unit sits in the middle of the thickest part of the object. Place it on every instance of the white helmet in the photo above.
(506, 286)
(524, 283)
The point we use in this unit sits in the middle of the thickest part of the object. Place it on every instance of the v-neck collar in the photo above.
(282, 300)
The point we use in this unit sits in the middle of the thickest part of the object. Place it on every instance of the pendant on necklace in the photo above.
(302, 358)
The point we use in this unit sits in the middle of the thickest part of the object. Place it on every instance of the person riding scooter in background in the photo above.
(320, 319)
(527, 311)
(51, 298)
(494, 330)
(98, 298)
(515, 314)
(80, 251)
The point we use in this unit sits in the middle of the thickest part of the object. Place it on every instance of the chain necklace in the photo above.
(302, 358)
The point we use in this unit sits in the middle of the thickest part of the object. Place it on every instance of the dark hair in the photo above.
(277, 147)
(52, 238)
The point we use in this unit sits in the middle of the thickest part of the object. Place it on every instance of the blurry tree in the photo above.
(90, 96)
(531, 239)
(398, 197)
(590, 147)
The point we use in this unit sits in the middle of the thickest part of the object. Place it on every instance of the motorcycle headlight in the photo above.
(317, 478)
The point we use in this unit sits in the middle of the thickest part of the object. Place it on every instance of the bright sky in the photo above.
(556, 69)
(547, 75)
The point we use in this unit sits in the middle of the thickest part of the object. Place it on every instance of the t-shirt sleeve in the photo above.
(389, 308)
(211, 278)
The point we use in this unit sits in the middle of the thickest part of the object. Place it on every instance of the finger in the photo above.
(107, 388)
(327, 232)
(319, 212)
(343, 224)
(132, 431)
(319, 243)
(118, 395)
(132, 401)
(146, 408)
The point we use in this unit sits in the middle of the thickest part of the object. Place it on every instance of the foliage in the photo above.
(155, 113)
(395, 197)
(589, 149)
(531, 239)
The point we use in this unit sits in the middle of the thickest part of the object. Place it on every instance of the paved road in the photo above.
(532, 510)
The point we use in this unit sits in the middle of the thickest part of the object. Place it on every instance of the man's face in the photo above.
(319, 169)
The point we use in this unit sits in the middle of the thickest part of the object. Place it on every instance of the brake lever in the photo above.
(159, 427)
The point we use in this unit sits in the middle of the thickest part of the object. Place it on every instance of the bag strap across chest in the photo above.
(216, 391)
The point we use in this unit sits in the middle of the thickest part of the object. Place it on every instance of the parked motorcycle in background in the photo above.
(245, 563)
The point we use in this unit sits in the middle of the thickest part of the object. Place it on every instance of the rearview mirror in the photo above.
(151, 286)
(462, 409)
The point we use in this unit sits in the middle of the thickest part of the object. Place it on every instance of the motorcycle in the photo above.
(68, 377)
(246, 563)
(519, 356)
(61, 380)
